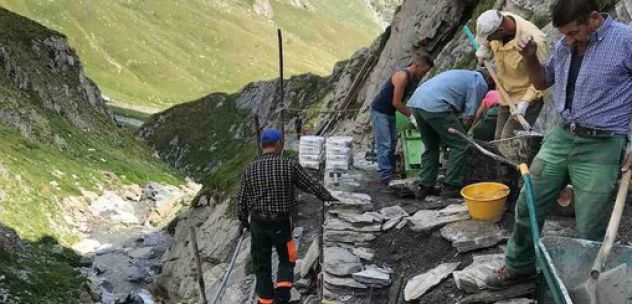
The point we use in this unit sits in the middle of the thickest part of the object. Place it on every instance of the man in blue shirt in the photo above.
(391, 99)
(591, 72)
(450, 99)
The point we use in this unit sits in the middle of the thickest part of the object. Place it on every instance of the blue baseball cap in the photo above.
(270, 136)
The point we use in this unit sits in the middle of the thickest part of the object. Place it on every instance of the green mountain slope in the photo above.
(156, 53)
(58, 142)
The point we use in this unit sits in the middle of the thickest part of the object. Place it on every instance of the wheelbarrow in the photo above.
(562, 263)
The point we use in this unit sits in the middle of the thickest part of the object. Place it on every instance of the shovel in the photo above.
(609, 286)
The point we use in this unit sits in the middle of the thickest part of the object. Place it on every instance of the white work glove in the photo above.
(413, 121)
(521, 108)
(484, 53)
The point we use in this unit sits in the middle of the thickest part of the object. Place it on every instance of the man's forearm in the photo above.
(536, 72)
(401, 107)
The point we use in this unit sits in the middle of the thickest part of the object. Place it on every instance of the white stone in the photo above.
(373, 276)
(142, 253)
(349, 199)
(472, 278)
(471, 235)
(419, 285)
(113, 207)
(425, 220)
(343, 282)
(86, 246)
(311, 257)
(359, 218)
(335, 224)
(393, 215)
(341, 262)
(348, 237)
(366, 254)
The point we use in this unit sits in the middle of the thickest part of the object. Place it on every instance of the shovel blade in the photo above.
(611, 286)
(608, 289)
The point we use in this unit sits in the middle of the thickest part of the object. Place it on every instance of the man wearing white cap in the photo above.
(498, 33)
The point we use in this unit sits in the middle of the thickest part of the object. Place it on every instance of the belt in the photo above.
(270, 217)
(577, 129)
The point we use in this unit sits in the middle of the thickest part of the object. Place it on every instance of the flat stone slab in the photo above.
(351, 200)
(373, 276)
(419, 285)
(341, 261)
(426, 220)
(366, 254)
(472, 278)
(342, 282)
(471, 235)
(517, 301)
(392, 215)
(336, 224)
(358, 218)
(310, 258)
(351, 237)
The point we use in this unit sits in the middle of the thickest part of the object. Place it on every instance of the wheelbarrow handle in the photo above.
(481, 149)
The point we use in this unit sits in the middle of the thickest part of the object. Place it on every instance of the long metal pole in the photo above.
(218, 295)
(281, 88)
(198, 267)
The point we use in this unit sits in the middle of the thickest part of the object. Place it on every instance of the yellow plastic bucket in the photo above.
(486, 201)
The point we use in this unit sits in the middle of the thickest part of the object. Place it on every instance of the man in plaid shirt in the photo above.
(268, 195)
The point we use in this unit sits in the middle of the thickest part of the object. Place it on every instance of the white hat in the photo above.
(486, 24)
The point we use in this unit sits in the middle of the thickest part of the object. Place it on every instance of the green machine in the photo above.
(412, 147)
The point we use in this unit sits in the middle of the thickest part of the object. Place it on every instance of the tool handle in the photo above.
(490, 69)
(613, 226)
(481, 149)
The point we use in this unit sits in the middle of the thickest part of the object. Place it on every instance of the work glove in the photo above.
(521, 108)
(484, 53)
(413, 121)
(244, 225)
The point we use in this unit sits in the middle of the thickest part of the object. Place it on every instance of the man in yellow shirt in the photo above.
(498, 34)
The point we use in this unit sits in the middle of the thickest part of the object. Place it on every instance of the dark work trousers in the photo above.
(266, 235)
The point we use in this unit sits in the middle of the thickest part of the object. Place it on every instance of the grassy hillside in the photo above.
(155, 53)
(58, 142)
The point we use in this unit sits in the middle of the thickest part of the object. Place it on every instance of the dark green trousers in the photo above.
(592, 165)
(265, 236)
(485, 128)
(434, 133)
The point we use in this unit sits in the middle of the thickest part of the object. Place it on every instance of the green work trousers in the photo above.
(434, 133)
(485, 128)
(591, 165)
(266, 235)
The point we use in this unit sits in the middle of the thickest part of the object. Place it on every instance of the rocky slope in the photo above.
(339, 106)
(62, 158)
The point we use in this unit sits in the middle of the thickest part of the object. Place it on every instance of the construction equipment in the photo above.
(411, 146)
(564, 262)
(609, 283)
(220, 291)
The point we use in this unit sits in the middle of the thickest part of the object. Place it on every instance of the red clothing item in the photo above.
(491, 99)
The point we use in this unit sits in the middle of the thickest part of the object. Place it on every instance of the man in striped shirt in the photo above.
(591, 75)
(267, 197)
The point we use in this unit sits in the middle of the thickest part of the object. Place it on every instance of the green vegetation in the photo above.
(39, 273)
(157, 53)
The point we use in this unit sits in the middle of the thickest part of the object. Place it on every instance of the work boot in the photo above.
(424, 191)
(504, 278)
(282, 295)
(448, 192)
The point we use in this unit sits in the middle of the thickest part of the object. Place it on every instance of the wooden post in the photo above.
(258, 133)
(198, 267)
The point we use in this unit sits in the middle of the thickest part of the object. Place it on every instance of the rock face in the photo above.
(45, 68)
